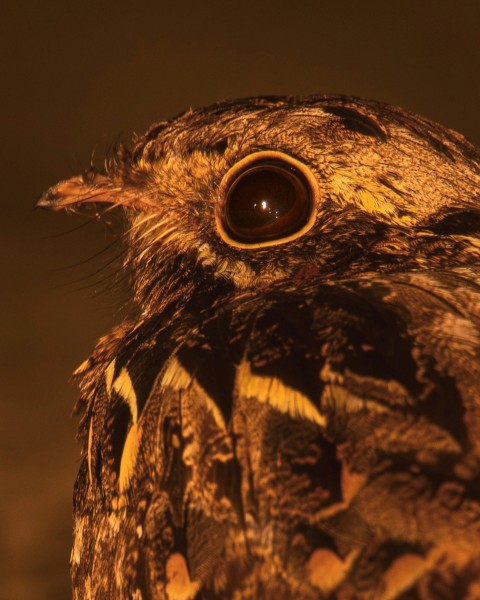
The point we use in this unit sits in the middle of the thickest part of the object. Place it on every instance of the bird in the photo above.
(292, 409)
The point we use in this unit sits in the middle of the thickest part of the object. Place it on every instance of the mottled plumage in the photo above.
(293, 420)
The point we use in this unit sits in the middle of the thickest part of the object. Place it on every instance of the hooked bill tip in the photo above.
(70, 192)
(46, 201)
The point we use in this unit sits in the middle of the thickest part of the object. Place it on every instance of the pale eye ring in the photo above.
(266, 199)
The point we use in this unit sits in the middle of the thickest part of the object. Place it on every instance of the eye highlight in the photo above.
(266, 199)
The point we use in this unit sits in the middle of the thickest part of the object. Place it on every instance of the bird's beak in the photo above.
(81, 190)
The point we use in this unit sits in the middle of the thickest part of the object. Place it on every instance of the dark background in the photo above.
(76, 75)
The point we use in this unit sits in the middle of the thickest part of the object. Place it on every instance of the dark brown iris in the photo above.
(269, 200)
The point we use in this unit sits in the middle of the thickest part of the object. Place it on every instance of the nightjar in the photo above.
(292, 411)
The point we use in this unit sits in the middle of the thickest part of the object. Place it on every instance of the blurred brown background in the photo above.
(76, 75)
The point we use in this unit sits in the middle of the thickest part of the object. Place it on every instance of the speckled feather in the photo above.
(300, 420)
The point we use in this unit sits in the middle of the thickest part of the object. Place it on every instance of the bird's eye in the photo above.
(266, 198)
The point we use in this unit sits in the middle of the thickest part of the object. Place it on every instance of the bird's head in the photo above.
(242, 194)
